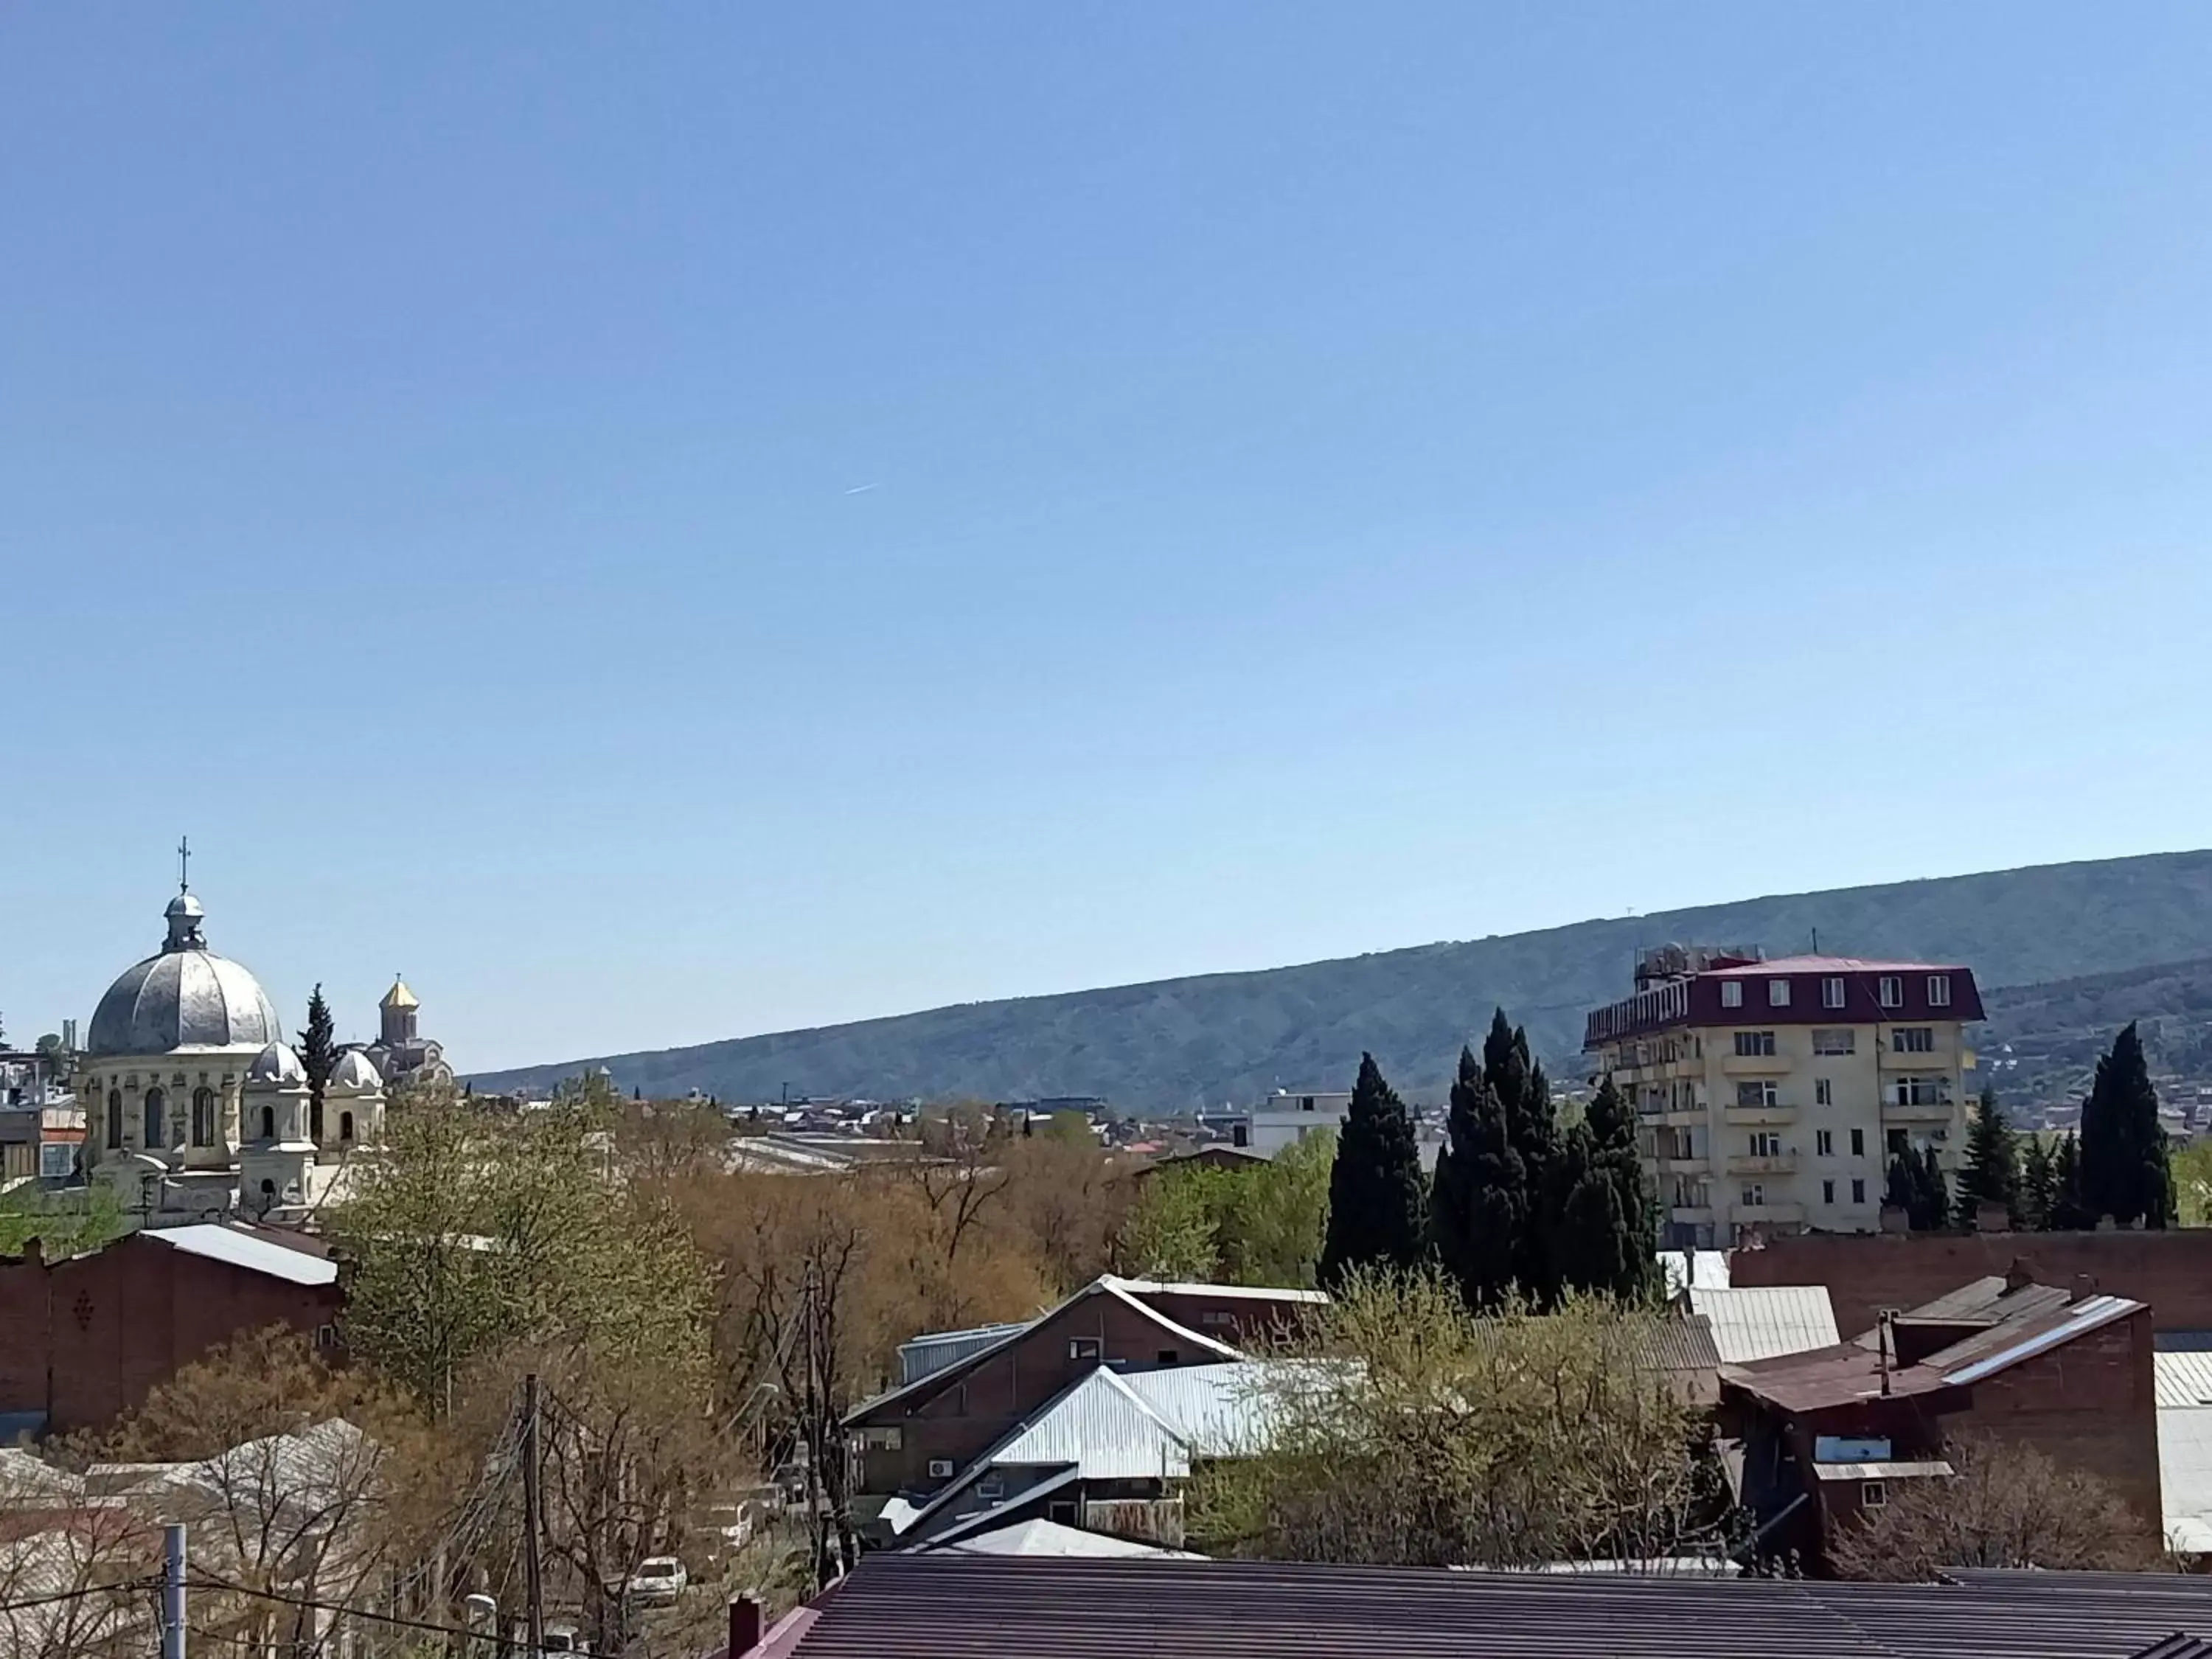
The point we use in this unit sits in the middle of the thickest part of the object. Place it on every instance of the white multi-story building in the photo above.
(1773, 1094)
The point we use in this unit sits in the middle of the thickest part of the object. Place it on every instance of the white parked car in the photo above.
(564, 1638)
(658, 1579)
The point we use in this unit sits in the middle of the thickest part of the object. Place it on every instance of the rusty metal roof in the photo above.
(949, 1607)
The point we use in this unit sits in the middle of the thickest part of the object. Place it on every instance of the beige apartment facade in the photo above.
(1771, 1095)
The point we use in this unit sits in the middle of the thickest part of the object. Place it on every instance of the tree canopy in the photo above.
(1377, 1194)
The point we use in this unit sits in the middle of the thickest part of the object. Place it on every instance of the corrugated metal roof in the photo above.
(1103, 1429)
(245, 1249)
(1049, 1538)
(1995, 1351)
(1694, 1269)
(1893, 1471)
(2183, 1379)
(927, 1354)
(2184, 1474)
(942, 1606)
(1763, 1321)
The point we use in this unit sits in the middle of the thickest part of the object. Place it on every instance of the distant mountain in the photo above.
(1181, 1043)
(2041, 1043)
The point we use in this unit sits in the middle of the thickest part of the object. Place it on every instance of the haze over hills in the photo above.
(1231, 1037)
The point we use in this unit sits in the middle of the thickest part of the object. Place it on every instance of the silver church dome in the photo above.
(186, 997)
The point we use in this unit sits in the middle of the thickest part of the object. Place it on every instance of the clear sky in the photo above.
(666, 522)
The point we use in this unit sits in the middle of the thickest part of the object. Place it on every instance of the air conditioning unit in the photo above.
(941, 1468)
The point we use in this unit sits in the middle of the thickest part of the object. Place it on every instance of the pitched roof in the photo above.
(900, 1606)
(1760, 1322)
(1130, 1292)
(1051, 1538)
(249, 1248)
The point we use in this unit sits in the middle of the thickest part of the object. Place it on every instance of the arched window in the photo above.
(268, 1131)
(203, 1117)
(157, 1119)
(345, 1125)
(115, 1117)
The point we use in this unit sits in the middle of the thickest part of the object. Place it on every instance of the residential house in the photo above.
(918, 1436)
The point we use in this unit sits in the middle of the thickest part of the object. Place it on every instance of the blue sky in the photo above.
(670, 521)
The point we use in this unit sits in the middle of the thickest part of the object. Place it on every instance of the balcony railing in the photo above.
(1756, 1164)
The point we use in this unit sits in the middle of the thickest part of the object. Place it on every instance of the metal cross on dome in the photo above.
(185, 864)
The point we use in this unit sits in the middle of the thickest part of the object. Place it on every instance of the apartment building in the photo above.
(1771, 1095)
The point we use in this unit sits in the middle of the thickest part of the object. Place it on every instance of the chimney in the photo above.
(2084, 1287)
(744, 1626)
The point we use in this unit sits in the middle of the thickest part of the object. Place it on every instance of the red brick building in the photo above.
(917, 1437)
(2171, 1270)
(84, 1340)
(1828, 1433)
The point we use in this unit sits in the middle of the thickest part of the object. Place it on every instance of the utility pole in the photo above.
(532, 1522)
(173, 1591)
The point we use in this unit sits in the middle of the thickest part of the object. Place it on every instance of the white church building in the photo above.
(195, 1106)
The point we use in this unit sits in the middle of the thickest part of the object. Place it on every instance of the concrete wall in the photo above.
(2171, 1271)
(86, 1340)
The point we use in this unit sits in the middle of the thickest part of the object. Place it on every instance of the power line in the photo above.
(390, 1619)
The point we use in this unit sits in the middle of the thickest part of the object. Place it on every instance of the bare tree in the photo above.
(75, 1572)
(2005, 1506)
(957, 1172)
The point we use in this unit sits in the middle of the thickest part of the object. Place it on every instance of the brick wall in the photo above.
(1867, 1272)
(88, 1339)
(2090, 1404)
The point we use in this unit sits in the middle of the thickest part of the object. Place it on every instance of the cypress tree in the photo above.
(1525, 1095)
(319, 1056)
(1935, 1201)
(2124, 1156)
(1478, 1204)
(2069, 1210)
(1377, 1198)
(1992, 1171)
(1607, 1226)
(2038, 1185)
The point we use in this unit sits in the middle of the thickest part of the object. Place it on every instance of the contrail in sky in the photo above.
(862, 489)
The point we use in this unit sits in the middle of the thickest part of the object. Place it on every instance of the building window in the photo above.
(1754, 1043)
(1939, 990)
(1835, 1040)
(1731, 993)
(1912, 1040)
(1922, 1091)
(1824, 1142)
(1084, 1348)
(56, 1160)
(1827, 1192)
(115, 1117)
(1169, 1357)
(1892, 992)
(1824, 1092)
(890, 1438)
(1761, 1094)
(991, 1488)
(345, 1125)
(1060, 1512)
(268, 1123)
(1831, 994)
(157, 1127)
(1778, 993)
(1873, 1495)
(1858, 1192)
(1765, 1144)
(1240, 1134)
(1754, 1194)
(1858, 1143)
(203, 1117)
(1305, 1103)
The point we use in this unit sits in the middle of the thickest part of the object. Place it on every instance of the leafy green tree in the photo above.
(2038, 1185)
(319, 1056)
(1607, 1233)
(64, 1223)
(2069, 1211)
(2123, 1153)
(1479, 1203)
(1376, 1197)
(2192, 1183)
(1277, 1215)
(1992, 1172)
(1173, 1231)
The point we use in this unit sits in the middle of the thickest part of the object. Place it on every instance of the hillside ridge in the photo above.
(1231, 1034)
